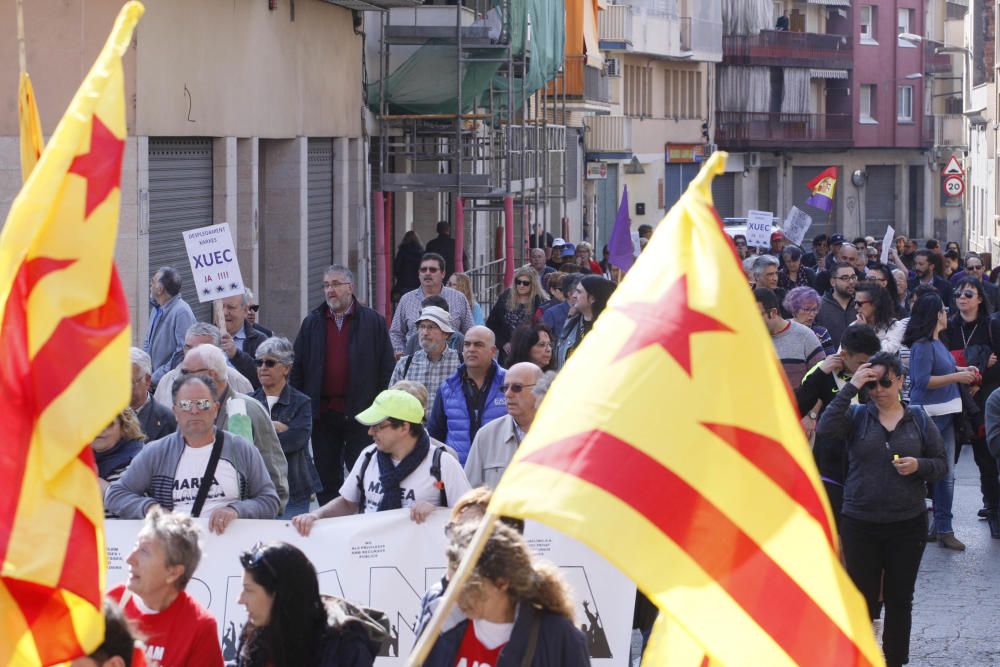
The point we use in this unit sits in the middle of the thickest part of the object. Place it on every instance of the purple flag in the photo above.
(620, 249)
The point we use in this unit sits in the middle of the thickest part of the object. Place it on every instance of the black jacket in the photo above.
(560, 643)
(835, 319)
(406, 268)
(369, 350)
(294, 410)
(830, 454)
(156, 420)
(244, 359)
(445, 246)
(942, 286)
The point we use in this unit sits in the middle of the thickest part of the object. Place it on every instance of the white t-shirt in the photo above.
(418, 485)
(187, 479)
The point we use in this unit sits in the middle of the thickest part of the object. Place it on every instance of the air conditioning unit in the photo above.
(753, 160)
(613, 67)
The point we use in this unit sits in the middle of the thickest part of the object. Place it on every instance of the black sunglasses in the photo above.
(270, 363)
(255, 307)
(968, 294)
(523, 283)
(515, 387)
(254, 558)
(883, 382)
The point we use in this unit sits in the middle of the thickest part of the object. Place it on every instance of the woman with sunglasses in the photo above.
(532, 342)
(516, 306)
(876, 309)
(934, 380)
(893, 451)
(290, 624)
(291, 414)
(971, 335)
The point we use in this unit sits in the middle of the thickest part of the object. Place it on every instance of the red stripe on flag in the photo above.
(711, 539)
(81, 565)
(771, 458)
(49, 620)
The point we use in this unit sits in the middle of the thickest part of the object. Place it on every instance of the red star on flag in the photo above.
(102, 166)
(669, 323)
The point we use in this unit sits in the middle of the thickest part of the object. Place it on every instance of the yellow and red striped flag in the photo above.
(670, 445)
(32, 143)
(64, 369)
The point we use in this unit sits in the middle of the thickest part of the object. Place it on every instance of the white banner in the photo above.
(796, 225)
(759, 229)
(385, 561)
(214, 266)
(887, 241)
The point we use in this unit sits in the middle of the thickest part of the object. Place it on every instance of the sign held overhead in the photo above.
(213, 261)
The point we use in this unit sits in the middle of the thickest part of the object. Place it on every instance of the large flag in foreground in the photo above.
(64, 365)
(669, 444)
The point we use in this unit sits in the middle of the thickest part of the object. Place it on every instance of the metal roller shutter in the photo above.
(320, 215)
(676, 178)
(724, 196)
(180, 198)
(880, 199)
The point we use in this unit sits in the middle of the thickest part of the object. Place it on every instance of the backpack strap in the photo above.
(361, 480)
(920, 416)
(209, 476)
(529, 651)
(406, 366)
(436, 473)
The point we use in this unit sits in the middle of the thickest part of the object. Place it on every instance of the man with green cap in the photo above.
(401, 469)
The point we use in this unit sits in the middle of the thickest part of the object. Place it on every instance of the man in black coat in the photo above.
(343, 359)
(156, 420)
(240, 339)
(444, 245)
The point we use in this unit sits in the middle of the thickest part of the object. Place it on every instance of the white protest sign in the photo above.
(890, 235)
(386, 562)
(213, 261)
(759, 229)
(796, 225)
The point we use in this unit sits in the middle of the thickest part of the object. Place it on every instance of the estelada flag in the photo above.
(823, 187)
(670, 445)
(64, 371)
(31, 126)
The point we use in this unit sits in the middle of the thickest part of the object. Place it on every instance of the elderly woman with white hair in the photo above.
(178, 630)
(291, 414)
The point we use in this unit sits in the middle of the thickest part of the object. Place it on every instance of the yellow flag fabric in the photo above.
(670, 445)
(64, 371)
(32, 143)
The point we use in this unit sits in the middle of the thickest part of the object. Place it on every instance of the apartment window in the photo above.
(904, 24)
(868, 104)
(869, 16)
(682, 94)
(904, 105)
(638, 91)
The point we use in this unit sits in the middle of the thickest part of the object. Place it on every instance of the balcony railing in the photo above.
(936, 63)
(608, 134)
(783, 48)
(582, 82)
(615, 24)
(747, 129)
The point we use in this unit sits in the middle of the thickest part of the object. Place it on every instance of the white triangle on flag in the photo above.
(953, 168)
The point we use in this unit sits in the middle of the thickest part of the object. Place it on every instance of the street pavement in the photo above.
(956, 608)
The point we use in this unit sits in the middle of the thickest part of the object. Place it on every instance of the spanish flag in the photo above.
(670, 445)
(32, 143)
(823, 187)
(64, 369)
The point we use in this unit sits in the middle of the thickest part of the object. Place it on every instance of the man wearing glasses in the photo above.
(496, 442)
(168, 473)
(397, 471)
(432, 275)
(836, 311)
(240, 340)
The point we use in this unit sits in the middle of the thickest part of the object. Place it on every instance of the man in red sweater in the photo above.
(179, 632)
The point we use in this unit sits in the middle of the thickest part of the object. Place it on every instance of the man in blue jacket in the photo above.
(471, 398)
(343, 359)
(169, 320)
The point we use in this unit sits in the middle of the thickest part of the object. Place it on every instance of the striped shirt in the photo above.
(405, 319)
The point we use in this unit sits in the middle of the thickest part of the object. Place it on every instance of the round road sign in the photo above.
(954, 186)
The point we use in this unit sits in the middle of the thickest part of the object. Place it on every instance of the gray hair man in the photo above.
(199, 333)
(496, 442)
(169, 319)
(240, 339)
(435, 360)
(156, 420)
(211, 361)
(165, 557)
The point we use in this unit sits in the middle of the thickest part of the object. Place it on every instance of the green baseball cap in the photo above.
(392, 403)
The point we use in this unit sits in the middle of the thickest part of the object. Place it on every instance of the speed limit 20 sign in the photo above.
(954, 186)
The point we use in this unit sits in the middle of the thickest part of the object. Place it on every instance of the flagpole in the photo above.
(455, 585)
(22, 56)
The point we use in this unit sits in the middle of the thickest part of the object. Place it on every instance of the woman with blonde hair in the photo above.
(116, 446)
(515, 307)
(585, 258)
(516, 610)
(463, 283)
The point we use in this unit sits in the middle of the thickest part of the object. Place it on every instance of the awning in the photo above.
(828, 73)
(831, 3)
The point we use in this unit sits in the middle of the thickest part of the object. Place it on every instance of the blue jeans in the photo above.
(295, 509)
(943, 490)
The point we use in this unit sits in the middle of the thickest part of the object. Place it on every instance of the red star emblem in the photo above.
(102, 166)
(669, 323)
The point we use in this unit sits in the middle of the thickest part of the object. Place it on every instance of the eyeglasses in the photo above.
(335, 284)
(270, 363)
(545, 345)
(884, 382)
(853, 278)
(254, 308)
(381, 425)
(515, 387)
(969, 267)
(429, 269)
(523, 283)
(861, 303)
(200, 371)
(203, 404)
(809, 309)
(967, 294)
(255, 557)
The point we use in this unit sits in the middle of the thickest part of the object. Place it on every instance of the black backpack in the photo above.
(435, 472)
